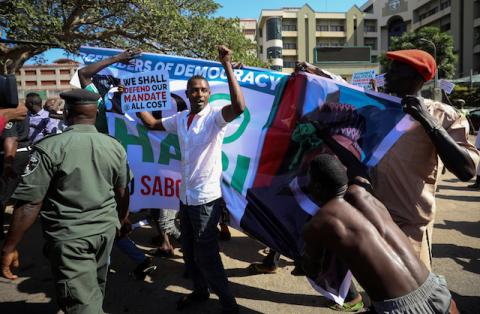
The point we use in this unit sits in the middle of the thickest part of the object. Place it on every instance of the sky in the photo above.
(247, 9)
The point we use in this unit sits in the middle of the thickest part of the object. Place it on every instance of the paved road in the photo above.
(456, 253)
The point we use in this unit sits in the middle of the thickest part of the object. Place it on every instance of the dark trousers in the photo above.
(198, 224)
(79, 269)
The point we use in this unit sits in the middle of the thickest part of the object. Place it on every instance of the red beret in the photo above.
(420, 60)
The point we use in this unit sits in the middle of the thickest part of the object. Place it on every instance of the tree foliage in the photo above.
(180, 27)
(446, 58)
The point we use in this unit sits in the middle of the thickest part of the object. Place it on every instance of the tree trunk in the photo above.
(18, 56)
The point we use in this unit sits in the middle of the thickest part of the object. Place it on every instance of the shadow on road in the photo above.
(468, 228)
(467, 257)
(453, 187)
(467, 304)
(462, 198)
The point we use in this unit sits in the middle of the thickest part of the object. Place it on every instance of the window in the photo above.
(445, 27)
(49, 83)
(65, 82)
(274, 28)
(30, 72)
(47, 72)
(289, 28)
(289, 64)
(322, 28)
(336, 28)
(64, 71)
(371, 43)
(374, 59)
(445, 4)
(31, 83)
(274, 52)
(289, 45)
(249, 31)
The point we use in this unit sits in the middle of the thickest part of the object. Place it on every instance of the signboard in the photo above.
(446, 86)
(342, 54)
(362, 79)
(146, 91)
(380, 80)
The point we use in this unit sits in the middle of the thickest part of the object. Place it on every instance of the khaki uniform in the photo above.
(405, 179)
(75, 174)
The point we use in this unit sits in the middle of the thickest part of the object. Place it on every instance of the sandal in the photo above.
(190, 299)
(259, 268)
(346, 307)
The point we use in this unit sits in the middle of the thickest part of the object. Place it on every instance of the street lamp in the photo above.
(437, 94)
(434, 57)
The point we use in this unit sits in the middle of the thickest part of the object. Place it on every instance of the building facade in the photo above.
(346, 42)
(48, 80)
(460, 18)
(342, 43)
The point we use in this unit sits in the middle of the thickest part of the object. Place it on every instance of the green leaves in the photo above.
(446, 58)
(181, 27)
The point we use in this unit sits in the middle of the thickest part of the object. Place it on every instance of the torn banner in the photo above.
(263, 169)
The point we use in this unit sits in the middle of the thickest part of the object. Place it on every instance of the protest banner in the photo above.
(362, 78)
(380, 78)
(263, 155)
(146, 91)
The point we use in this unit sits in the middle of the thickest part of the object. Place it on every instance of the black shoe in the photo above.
(190, 299)
(145, 268)
(475, 186)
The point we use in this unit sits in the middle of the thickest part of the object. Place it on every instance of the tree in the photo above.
(446, 58)
(180, 27)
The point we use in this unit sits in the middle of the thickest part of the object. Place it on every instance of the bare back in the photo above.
(371, 244)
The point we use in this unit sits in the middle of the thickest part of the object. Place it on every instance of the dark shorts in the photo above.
(431, 297)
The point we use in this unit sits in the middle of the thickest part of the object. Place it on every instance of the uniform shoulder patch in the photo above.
(32, 164)
(9, 125)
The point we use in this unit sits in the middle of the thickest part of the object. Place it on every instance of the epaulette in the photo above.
(49, 136)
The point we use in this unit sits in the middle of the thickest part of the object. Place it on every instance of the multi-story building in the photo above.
(460, 18)
(342, 43)
(48, 80)
(346, 42)
(249, 28)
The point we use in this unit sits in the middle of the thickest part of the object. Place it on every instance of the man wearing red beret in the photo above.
(405, 179)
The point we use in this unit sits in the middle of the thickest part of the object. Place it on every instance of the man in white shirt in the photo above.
(200, 132)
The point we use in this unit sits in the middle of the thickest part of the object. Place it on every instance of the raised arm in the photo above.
(455, 157)
(237, 106)
(150, 122)
(85, 74)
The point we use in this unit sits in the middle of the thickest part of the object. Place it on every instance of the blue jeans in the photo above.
(128, 247)
(198, 224)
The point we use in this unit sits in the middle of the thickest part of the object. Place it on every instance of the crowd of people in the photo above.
(378, 221)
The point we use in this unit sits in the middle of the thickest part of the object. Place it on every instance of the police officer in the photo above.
(77, 181)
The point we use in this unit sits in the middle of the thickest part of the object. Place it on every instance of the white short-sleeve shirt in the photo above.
(201, 148)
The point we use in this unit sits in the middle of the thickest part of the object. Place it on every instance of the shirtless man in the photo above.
(357, 227)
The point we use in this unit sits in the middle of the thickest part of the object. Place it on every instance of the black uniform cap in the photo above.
(80, 97)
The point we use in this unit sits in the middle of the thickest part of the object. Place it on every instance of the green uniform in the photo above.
(75, 174)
